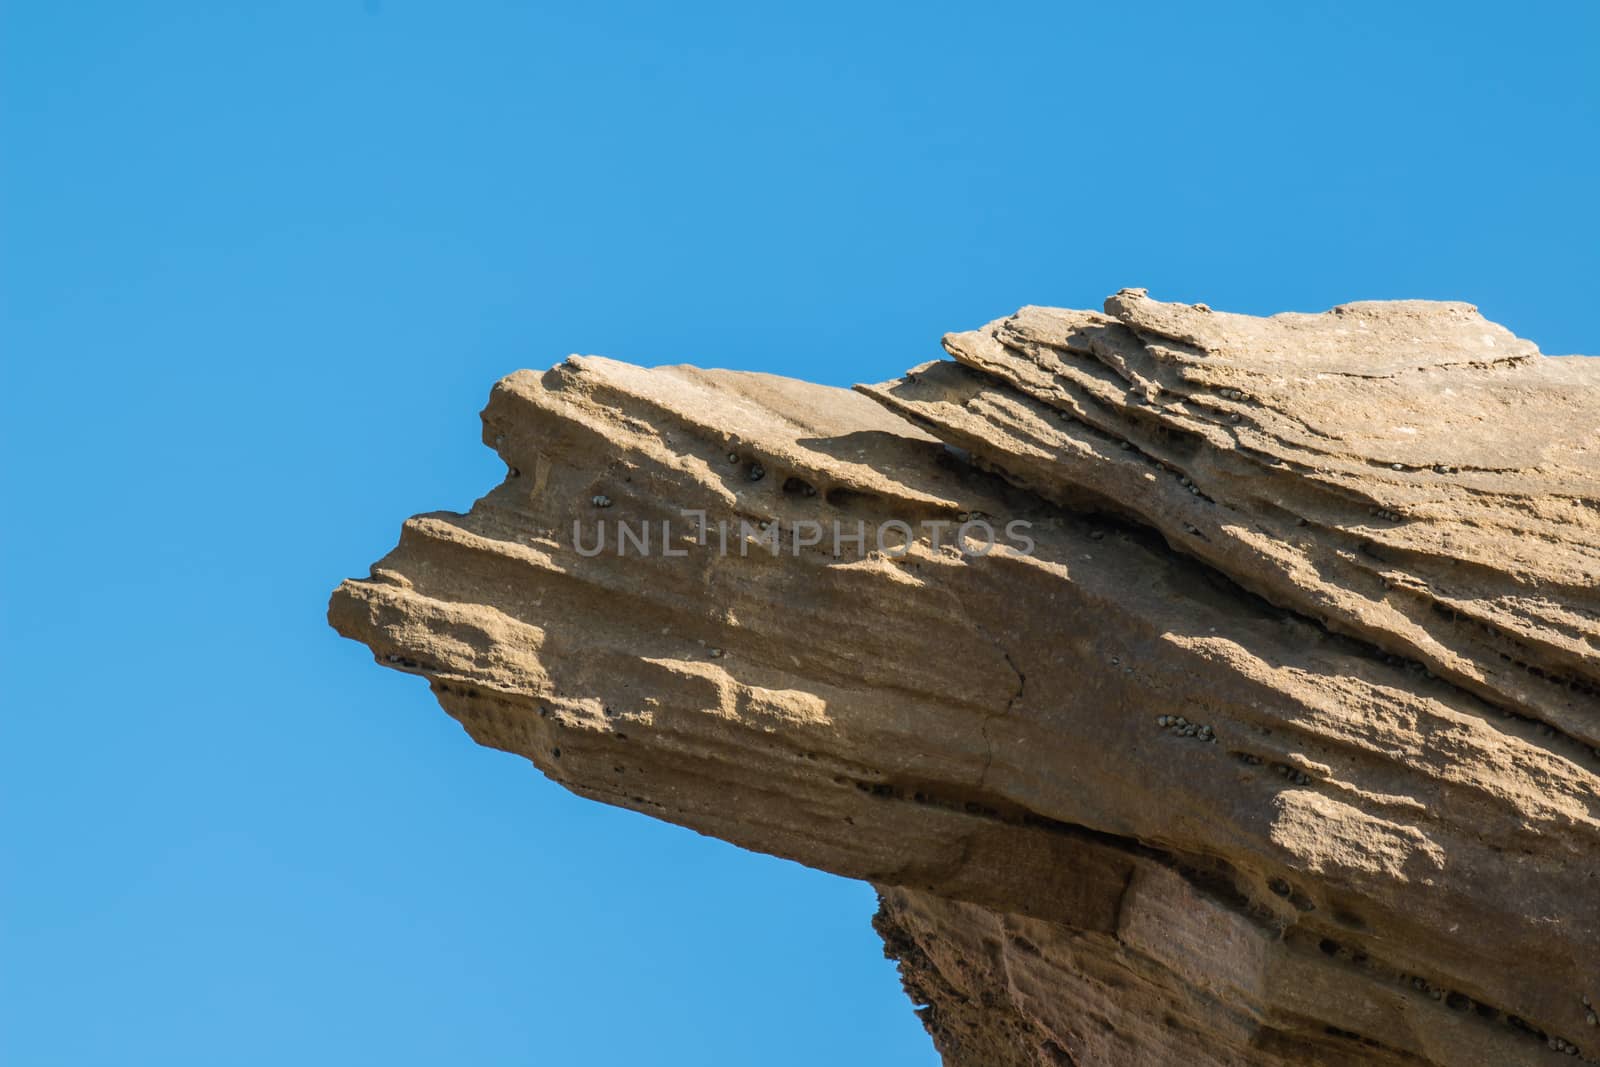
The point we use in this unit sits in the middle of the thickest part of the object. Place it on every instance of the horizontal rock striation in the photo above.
(1194, 687)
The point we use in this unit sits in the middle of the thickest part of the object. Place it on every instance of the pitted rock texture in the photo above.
(1271, 741)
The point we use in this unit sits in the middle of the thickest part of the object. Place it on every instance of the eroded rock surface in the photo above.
(1269, 739)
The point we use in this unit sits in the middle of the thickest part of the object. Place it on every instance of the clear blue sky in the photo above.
(259, 265)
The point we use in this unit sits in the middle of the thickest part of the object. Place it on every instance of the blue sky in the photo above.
(259, 266)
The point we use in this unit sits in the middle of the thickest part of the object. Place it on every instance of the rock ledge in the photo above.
(1264, 731)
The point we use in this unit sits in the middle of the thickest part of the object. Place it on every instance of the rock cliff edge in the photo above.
(1194, 687)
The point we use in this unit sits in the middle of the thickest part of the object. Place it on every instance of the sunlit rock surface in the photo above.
(1233, 700)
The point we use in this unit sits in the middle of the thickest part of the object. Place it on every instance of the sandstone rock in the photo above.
(1265, 733)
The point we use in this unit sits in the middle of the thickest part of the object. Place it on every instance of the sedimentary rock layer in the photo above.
(1201, 687)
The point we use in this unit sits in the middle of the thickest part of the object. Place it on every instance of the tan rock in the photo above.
(1267, 736)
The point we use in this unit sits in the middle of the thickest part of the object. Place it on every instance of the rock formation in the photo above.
(1194, 687)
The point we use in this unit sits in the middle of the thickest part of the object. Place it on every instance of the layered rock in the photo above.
(1202, 687)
